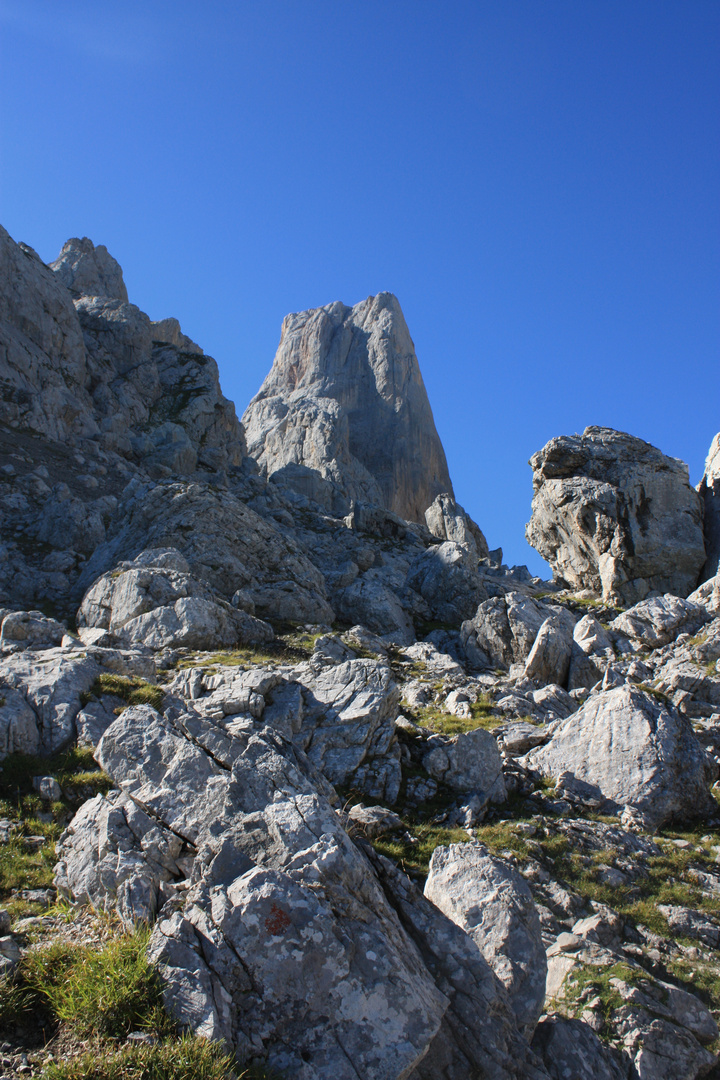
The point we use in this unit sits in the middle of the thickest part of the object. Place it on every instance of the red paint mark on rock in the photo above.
(277, 921)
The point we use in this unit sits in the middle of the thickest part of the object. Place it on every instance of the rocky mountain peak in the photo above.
(345, 398)
(86, 270)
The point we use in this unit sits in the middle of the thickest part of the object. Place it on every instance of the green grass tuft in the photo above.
(133, 690)
(188, 1058)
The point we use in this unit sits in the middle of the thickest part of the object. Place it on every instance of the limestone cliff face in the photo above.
(345, 398)
(709, 489)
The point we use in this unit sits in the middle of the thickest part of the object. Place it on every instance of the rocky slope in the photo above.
(391, 810)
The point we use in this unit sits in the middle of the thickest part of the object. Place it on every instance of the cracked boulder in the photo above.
(287, 942)
(636, 751)
(613, 514)
(155, 601)
(493, 904)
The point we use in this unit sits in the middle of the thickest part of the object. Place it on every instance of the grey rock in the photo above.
(570, 1048)
(273, 871)
(637, 751)
(447, 520)
(47, 787)
(658, 620)
(163, 607)
(493, 904)
(549, 658)
(51, 683)
(504, 628)
(370, 601)
(114, 857)
(372, 821)
(614, 515)
(709, 489)
(447, 579)
(226, 544)
(692, 924)
(469, 762)
(87, 270)
(348, 725)
(30, 629)
(708, 595)
(345, 398)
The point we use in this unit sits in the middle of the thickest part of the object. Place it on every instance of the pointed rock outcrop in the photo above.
(345, 398)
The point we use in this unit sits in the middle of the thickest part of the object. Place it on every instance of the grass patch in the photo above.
(415, 858)
(592, 981)
(188, 1058)
(108, 992)
(134, 691)
(290, 646)
(22, 866)
(430, 716)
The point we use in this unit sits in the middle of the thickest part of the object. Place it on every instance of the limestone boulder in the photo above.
(286, 942)
(52, 684)
(708, 595)
(469, 762)
(611, 513)
(658, 621)
(504, 628)
(549, 658)
(30, 629)
(164, 606)
(116, 858)
(348, 725)
(570, 1048)
(636, 751)
(493, 904)
(345, 398)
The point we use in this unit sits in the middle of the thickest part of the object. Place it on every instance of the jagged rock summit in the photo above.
(345, 400)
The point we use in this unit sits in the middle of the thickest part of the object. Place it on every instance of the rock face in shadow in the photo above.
(613, 514)
(346, 399)
(709, 489)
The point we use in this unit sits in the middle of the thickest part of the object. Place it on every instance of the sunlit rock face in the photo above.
(613, 514)
(345, 398)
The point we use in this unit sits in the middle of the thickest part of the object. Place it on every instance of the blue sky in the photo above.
(536, 180)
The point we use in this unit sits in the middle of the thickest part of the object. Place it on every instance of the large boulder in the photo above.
(345, 398)
(285, 939)
(493, 904)
(155, 601)
(504, 628)
(41, 694)
(658, 621)
(636, 751)
(709, 489)
(611, 513)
